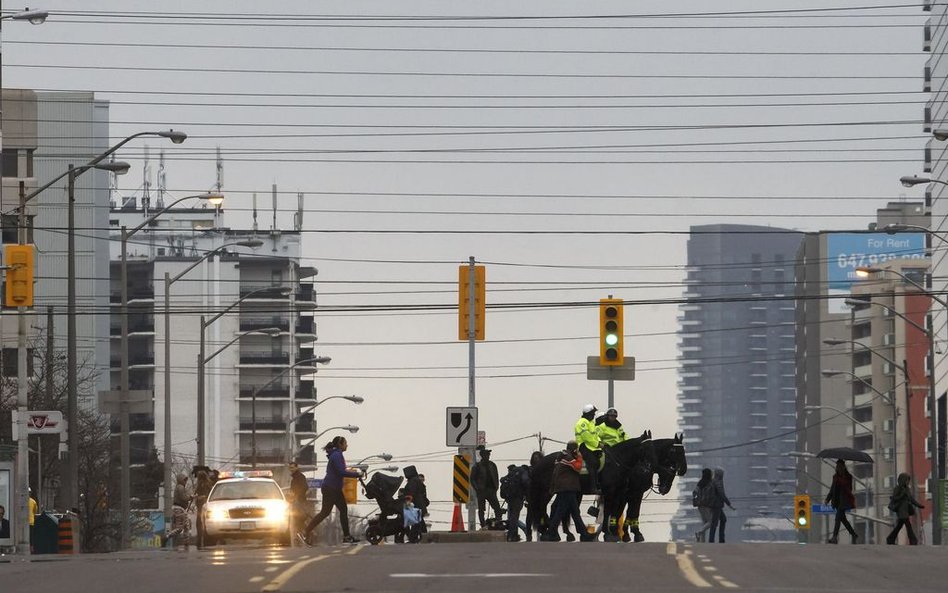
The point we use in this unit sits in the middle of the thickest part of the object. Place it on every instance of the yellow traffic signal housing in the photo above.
(610, 333)
(464, 305)
(801, 511)
(19, 275)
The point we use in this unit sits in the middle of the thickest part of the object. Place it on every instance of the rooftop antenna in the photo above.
(146, 182)
(298, 217)
(220, 171)
(273, 227)
(113, 182)
(160, 200)
(255, 212)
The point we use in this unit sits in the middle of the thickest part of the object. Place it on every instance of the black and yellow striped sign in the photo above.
(462, 478)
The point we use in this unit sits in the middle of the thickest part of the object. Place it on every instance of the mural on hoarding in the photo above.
(847, 251)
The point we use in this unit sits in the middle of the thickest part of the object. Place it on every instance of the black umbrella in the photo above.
(845, 453)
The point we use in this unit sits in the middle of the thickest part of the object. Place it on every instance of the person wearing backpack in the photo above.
(700, 499)
(903, 504)
(513, 489)
(717, 500)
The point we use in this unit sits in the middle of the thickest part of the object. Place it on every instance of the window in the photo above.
(10, 162)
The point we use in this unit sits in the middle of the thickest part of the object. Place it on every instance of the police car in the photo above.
(246, 505)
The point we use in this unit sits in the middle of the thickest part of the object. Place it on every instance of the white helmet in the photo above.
(589, 408)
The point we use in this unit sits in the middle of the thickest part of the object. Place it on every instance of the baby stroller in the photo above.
(390, 520)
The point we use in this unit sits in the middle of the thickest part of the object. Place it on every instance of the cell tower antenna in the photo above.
(255, 212)
(160, 200)
(298, 217)
(146, 182)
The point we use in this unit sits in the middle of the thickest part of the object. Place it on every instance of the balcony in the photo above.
(264, 456)
(133, 327)
(305, 325)
(136, 423)
(280, 391)
(263, 423)
(135, 293)
(147, 359)
(252, 323)
(265, 358)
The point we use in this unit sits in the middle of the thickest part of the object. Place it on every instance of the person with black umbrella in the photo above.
(841, 498)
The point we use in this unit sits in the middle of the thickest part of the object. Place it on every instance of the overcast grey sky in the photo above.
(645, 123)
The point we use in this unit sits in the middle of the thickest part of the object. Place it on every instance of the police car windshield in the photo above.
(243, 490)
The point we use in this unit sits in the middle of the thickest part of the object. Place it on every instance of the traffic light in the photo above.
(801, 511)
(18, 260)
(464, 305)
(610, 332)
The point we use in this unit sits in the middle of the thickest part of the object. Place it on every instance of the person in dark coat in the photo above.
(513, 489)
(903, 504)
(299, 487)
(841, 498)
(567, 487)
(486, 481)
(415, 487)
(716, 501)
(699, 499)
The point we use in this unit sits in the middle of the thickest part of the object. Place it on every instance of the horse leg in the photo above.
(632, 517)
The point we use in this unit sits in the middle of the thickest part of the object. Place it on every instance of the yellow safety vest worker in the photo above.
(609, 436)
(586, 434)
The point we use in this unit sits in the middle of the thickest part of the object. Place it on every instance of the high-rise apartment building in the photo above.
(935, 114)
(268, 302)
(737, 396)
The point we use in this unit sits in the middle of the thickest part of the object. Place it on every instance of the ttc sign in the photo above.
(461, 427)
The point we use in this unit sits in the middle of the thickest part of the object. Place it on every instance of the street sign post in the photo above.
(597, 372)
(461, 427)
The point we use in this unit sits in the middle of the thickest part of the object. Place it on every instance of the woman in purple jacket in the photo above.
(331, 491)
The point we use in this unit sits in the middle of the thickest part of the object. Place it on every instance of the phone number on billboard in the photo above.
(861, 260)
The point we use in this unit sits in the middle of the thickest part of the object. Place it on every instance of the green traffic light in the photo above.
(612, 339)
(801, 520)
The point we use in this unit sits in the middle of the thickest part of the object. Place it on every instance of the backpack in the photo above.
(701, 496)
(515, 484)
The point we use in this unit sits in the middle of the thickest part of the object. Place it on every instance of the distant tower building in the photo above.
(736, 397)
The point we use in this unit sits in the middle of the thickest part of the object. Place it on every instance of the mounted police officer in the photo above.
(588, 438)
(609, 429)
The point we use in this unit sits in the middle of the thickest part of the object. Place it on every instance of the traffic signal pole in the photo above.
(22, 405)
(471, 400)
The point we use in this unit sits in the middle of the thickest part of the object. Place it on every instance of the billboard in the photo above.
(847, 251)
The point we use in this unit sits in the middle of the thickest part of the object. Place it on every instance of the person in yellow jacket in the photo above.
(588, 438)
(610, 429)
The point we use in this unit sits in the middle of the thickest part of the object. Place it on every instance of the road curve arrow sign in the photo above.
(461, 427)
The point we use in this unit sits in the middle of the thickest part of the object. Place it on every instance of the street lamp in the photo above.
(290, 447)
(348, 427)
(912, 180)
(253, 402)
(201, 360)
(833, 373)
(169, 478)
(35, 17)
(382, 456)
(124, 390)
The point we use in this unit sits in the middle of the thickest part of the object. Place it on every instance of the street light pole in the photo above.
(168, 477)
(125, 454)
(202, 360)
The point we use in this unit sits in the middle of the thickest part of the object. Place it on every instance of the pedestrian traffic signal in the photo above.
(464, 303)
(610, 332)
(18, 260)
(801, 511)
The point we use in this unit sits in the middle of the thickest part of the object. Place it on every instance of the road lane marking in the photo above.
(686, 566)
(724, 582)
(271, 569)
(466, 575)
(355, 550)
(282, 578)
(256, 579)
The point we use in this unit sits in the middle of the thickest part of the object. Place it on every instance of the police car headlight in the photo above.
(216, 514)
(276, 511)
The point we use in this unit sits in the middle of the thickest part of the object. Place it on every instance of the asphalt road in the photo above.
(492, 568)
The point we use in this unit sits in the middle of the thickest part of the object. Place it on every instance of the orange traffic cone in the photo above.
(457, 524)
